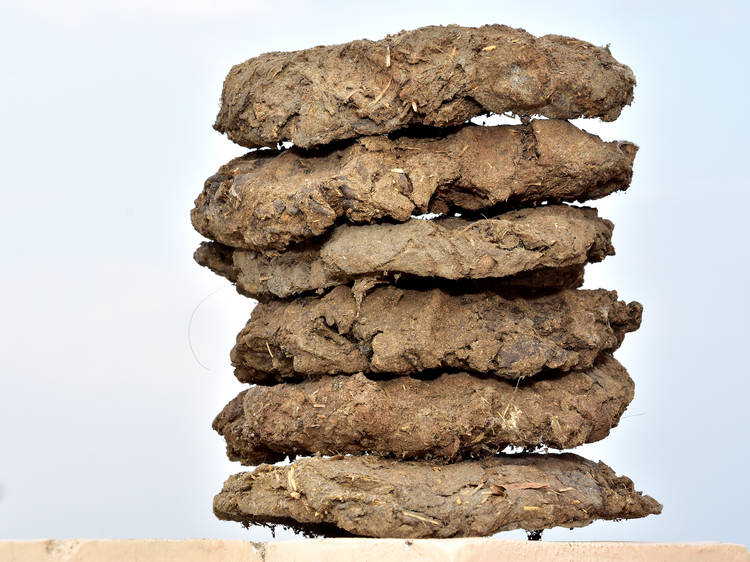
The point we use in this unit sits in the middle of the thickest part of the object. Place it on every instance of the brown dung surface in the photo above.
(549, 237)
(436, 76)
(450, 417)
(266, 200)
(296, 280)
(399, 331)
(375, 497)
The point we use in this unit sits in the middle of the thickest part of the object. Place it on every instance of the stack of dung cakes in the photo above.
(395, 359)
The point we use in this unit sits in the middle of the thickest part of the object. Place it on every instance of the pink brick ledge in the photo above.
(364, 550)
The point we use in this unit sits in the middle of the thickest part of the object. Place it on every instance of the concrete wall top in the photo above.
(364, 550)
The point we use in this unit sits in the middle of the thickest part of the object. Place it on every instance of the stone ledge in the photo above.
(364, 550)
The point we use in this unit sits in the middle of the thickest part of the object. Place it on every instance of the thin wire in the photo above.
(190, 324)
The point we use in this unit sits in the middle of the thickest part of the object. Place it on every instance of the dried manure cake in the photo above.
(372, 497)
(451, 416)
(397, 331)
(419, 313)
(268, 200)
(437, 76)
(524, 249)
(303, 271)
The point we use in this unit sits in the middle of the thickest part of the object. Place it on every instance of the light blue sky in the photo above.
(106, 115)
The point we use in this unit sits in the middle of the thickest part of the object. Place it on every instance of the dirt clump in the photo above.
(542, 238)
(268, 200)
(437, 76)
(375, 497)
(453, 416)
(398, 331)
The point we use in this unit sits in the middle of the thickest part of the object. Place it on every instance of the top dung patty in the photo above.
(436, 76)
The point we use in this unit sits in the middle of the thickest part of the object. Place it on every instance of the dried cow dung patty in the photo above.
(550, 237)
(299, 272)
(399, 331)
(266, 200)
(374, 497)
(436, 76)
(452, 416)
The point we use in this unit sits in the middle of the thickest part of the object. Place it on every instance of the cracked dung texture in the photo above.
(250, 282)
(548, 237)
(267, 200)
(374, 497)
(437, 76)
(453, 416)
(399, 331)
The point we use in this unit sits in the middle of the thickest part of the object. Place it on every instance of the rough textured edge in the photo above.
(433, 75)
(219, 259)
(367, 496)
(522, 248)
(266, 200)
(519, 249)
(396, 331)
(444, 419)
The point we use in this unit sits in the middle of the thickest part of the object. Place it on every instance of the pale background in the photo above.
(106, 113)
